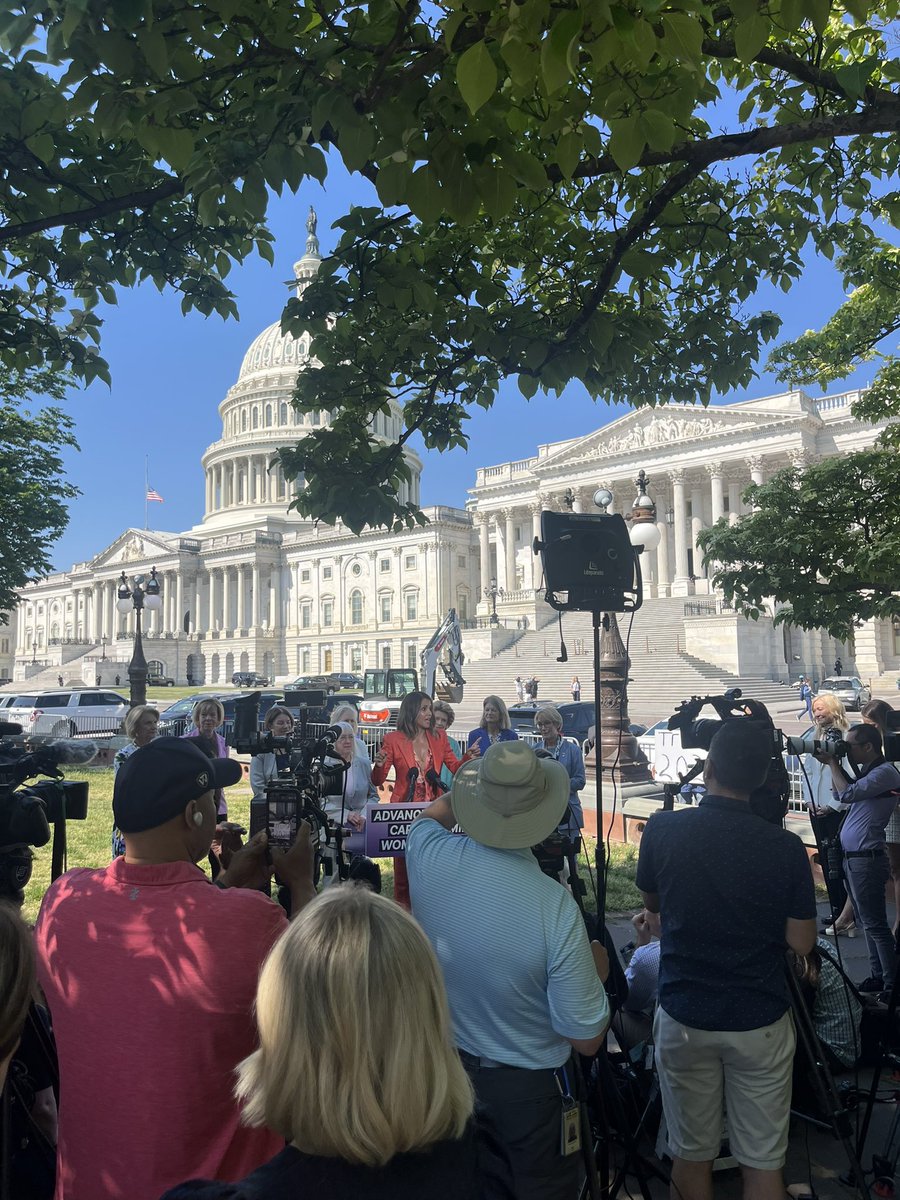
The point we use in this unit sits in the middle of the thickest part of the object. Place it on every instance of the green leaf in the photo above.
(176, 146)
(818, 12)
(626, 142)
(684, 36)
(750, 36)
(528, 385)
(792, 14)
(658, 128)
(854, 77)
(524, 167)
(451, 25)
(496, 189)
(558, 51)
(153, 47)
(568, 153)
(423, 194)
(42, 146)
(476, 76)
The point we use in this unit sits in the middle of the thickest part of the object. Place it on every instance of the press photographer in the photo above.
(150, 972)
(769, 799)
(872, 797)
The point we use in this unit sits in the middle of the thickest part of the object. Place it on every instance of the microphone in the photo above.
(411, 780)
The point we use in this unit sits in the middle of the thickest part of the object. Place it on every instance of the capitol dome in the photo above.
(244, 483)
(272, 349)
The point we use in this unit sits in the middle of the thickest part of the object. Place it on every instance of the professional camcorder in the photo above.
(770, 800)
(27, 813)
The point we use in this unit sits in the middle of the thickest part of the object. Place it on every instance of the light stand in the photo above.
(137, 596)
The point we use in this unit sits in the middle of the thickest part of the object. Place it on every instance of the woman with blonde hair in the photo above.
(207, 715)
(494, 726)
(141, 725)
(356, 1066)
(825, 814)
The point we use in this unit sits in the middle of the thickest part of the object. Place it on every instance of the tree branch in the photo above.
(145, 198)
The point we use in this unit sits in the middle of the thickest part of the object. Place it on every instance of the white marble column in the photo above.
(500, 548)
(275, 618)
(227, 609)
(249, 488)
(196, 626)
(734, 500)
(484, 551)
(214, 589)
(680, 582)
(696, 527)
(179, 601)
(716, 484)
(255, 611)
(510, 545)
(757, 474)
(241, 590)
(533, 558)
(662, 559)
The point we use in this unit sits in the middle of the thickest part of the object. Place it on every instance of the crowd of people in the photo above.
(211, 1047)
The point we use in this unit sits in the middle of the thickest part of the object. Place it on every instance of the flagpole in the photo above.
(146, 489)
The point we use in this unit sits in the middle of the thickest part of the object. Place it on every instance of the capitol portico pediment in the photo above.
(132, 546)
(659, 428)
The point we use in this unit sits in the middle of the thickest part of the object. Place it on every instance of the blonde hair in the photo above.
(134, 715)
(355, 1058)
(277, 710)
(834, 708)
(499, 704)
(444, 707)
(17, 977)
(208, 702)
(547, 710)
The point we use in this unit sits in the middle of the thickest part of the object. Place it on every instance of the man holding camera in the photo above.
(733, 892)
(872, 798)
(524, 985)
(150, 972)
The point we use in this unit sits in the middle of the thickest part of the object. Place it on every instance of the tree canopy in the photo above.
(33, 490)
(588, 191)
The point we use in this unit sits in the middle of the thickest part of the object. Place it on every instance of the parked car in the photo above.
(68, 711)
(343, 681)
(249, 679)
(849, 689)
(176, 719)
(159, 680)
(577, 715)
(308, 683)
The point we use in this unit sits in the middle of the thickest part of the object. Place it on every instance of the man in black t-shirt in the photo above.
(733, 892)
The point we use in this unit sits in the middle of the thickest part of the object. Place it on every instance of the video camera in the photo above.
(770, 799)
(27, 813)
(295, 794)
(697, 735)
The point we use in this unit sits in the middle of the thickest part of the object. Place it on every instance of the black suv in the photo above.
(577, 715)
(249, 679)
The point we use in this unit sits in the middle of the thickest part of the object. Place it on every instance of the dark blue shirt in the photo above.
(872, 798)
(727, 883)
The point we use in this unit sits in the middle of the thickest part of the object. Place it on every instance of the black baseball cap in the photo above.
(154, 784)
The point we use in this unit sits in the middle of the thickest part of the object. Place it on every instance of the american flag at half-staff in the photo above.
(150, 494)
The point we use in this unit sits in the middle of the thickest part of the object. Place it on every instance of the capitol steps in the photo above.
(661, 673)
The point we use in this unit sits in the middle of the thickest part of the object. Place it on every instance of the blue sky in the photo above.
(170, 372)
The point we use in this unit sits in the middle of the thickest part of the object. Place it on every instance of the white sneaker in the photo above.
(845, 930)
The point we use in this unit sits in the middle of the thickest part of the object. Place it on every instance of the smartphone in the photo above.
(281, 822)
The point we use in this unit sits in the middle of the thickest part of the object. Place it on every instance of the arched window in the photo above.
(356, 607)
(283, 418)
(244, 421)
(268, 414)
(255, 419)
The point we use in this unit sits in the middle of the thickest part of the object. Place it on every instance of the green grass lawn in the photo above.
(88, 844)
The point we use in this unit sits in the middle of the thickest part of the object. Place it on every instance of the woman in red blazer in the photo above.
(417, 752)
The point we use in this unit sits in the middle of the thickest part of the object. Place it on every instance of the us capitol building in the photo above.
(256, 587)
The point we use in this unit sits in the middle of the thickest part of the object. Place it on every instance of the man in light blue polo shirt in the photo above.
(524, 984)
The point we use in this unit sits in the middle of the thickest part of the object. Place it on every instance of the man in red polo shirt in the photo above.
(150, 972)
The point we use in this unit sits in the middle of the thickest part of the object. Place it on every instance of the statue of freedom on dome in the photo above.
(312, 242)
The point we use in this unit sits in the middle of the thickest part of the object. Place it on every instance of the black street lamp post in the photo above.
(491, 593)
(34, 654)
(141, 593)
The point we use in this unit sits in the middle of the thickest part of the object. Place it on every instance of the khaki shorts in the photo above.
(750, 1070)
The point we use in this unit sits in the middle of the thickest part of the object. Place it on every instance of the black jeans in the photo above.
(866, 878)
(525, 1109)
